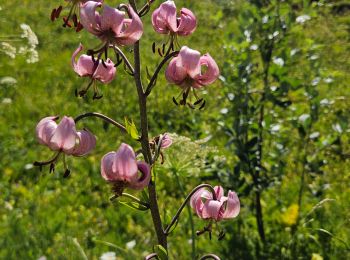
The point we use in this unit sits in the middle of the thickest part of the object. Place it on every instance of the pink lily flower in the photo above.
(121, 168)
(111, 26)
(222, 208)
(103, 71)
(185, 69)
(164, 20)
(64, 137)
(166, 141)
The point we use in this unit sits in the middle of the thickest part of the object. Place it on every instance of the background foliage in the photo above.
(288, 59)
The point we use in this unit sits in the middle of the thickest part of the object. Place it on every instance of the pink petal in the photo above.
(65, 135)
(219, 191)
(107, 162)
(133, 31)
(198, 206)
(195, 197)
(232, 206)
(159, 24)
(189, 59)
(167, 14)
(105, 73)
(188, 22)
(85, 65)
(210, 75)
(166, 141)
(211, 209)
(87, 142)
(112, 18)
(125, 163)
(144, 179)
(175, 73)
(89, 18)
(45, 129)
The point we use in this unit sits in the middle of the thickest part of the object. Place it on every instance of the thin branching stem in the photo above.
(178, 213)
(151, 84)
(105, 118)
(121, 53)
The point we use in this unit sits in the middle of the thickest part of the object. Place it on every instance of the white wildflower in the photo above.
(278, 61)
(8, 49)
(302, 18)
(108, 256)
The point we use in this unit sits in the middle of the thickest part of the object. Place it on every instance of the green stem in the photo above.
(193, 233)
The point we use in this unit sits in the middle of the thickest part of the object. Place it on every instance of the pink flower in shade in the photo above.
(166, 141)
(122, 169)
(103, 71)
(164, 20)
(111, 26)
(64, 137)
(221, 208)
(185, 69)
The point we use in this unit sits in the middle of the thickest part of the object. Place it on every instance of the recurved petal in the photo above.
(189, 60)
(187, 22)
(112, 18)
(175, 72)
(167, 13)
(159, 24)
(166, 141)
(143, 180)
(65, 135)
(195, 197)
(211, 209)
(125, 163)
(132, 29)
(219, 191)
(89, 17)
(210, 75)
(45, 129)
(105, 72)
(232, 206)
(87, 142)
(107, 162)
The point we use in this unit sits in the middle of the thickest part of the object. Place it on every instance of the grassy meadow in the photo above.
(275, 129)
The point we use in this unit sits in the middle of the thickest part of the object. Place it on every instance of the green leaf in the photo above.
(131, 129)
(133, 205)
(161, 252)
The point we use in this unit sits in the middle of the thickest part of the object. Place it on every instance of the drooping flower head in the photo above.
(221, 208)
(64, 137)
(165, 20)
(111, 26)
(123, 170)
(73, 15)
(191, 70)
(86, 66)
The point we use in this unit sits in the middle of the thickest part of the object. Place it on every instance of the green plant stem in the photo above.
(193, 232)
(157, 222)
(105, 118)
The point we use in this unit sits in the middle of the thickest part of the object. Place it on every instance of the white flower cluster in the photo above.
(30, 50)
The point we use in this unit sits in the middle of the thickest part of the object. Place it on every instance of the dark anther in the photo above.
(76, 92)
(79, 27)
(66, 173)
(174, 100)
(58, 11)
(209, 234)
(52, 168)
(82, 93)
(53, 15)
(96, 96)
(198, 101)
(154, 47)
(182, 102)
(160, 53)
(202, 106)
(75, 20)
(221, 235)
(163, 48)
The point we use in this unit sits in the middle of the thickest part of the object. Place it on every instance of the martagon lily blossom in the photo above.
(186, 71)
(221, 208)
(111, 26)
(121, 169)
(165, 21)
(64, 137)
(86, 66)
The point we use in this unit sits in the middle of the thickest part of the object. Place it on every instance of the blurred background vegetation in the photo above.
(275, 129)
